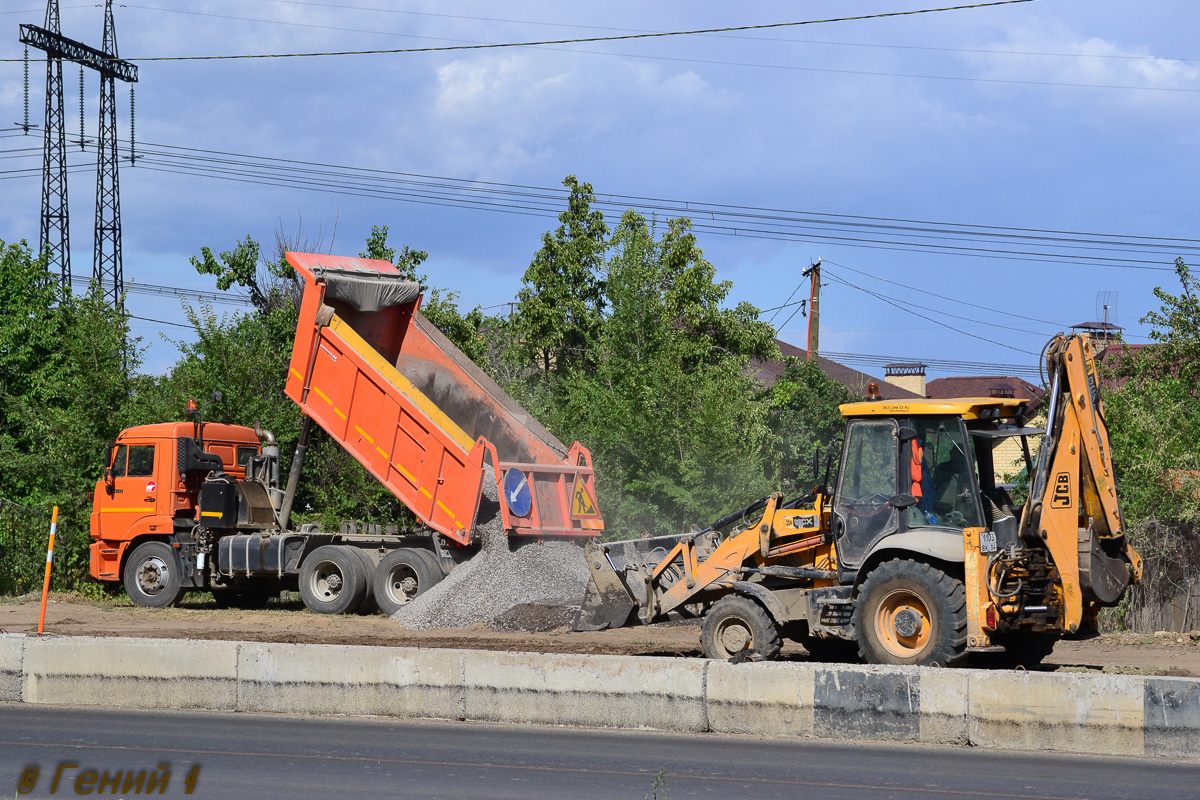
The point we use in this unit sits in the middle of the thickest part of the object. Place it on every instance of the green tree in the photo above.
(1154, 425)
(804, 417)
(267, 281)
(1176, 326)
(561, 305)
(64, 390)
(407, 260)
(669, 412)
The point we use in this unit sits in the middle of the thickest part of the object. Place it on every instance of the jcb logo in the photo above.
(1062, 491)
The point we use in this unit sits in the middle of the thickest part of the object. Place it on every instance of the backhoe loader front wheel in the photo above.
(907, 612)
(736, 624)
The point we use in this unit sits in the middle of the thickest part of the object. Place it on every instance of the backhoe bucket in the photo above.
(607, 603)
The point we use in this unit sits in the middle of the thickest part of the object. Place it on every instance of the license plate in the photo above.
(987, 542)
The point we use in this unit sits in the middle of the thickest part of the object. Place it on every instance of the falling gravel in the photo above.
(490, 587)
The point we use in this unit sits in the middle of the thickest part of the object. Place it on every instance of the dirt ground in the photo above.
(287, 620)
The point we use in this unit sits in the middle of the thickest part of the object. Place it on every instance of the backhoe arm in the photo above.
(1073, 506)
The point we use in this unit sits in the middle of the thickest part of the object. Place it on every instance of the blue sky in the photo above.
(1074, 115)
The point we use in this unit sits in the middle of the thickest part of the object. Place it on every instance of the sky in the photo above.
(1044, 117)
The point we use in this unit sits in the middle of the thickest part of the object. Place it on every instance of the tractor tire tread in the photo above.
(946, 591)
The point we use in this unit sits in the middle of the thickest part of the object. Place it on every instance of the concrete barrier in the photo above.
(12, 668)
(1100, 714)
(592, 691)
(130, 673)
(1083, 713)
(331, 679)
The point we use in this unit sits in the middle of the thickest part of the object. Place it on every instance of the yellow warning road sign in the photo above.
(583, 503)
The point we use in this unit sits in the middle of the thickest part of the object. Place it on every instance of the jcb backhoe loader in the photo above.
(910, 553)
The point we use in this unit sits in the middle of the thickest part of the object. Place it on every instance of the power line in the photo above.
(579, 26)
(944, 297)
(940, 365)
(723, 219)
(160, 321)
(930, 319)
(945, 238)
(591, 39)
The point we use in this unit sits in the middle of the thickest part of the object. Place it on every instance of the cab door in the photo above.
(132, 492)
(867, 480)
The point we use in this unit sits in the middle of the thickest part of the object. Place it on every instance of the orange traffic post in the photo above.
(49, 561)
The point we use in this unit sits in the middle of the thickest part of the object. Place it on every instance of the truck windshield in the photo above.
(948, 485)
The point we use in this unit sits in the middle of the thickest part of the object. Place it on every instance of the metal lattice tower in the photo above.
(56, 223)
(106, 262)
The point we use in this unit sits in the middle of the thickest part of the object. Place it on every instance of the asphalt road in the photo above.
(265, 757)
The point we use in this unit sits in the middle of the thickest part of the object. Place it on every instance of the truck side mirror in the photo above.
(108, 470)
(902, 501)
(816, 465)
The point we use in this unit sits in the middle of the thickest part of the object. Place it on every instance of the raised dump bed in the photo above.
(422, 417)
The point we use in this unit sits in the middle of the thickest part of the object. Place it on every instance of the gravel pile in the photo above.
(498, 579)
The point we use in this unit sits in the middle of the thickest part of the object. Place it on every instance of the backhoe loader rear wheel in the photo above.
(907, 612)
(736, 624)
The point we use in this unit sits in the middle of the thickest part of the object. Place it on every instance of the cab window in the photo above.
(245, 453)
(119, 458)
(948, 486)
(141, 460)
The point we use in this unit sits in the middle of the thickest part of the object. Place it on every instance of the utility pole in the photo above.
(55, 229)
(814, 310)
(55, 221)
(107, 270)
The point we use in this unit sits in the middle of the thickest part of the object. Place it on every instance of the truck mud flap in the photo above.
(607, 603)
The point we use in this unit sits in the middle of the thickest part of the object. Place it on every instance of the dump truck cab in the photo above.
(149, 494)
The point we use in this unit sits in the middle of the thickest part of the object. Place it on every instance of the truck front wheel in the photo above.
(402, 575)
(907, 612)
(332, 580)
(152, 577)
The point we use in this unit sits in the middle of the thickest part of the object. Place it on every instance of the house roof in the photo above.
(768, 372)
(999, 386)
(1097, 326)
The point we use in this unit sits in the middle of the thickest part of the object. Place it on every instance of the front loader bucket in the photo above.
(607, 603)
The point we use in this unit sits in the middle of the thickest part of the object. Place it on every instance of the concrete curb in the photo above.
(1094, 714)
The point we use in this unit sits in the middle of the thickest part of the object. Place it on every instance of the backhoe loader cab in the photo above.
(911, 554)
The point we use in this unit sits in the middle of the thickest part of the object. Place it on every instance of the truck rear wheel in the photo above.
(403, 575)
(907, 612)
(152, 576)
(368, 604)
(736, 624)
(332, 580)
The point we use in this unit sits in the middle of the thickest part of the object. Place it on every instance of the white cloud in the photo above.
(1056, 55)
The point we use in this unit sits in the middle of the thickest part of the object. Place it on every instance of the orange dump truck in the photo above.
(196, 505)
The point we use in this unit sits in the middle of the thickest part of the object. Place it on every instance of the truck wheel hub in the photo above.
(152, 577)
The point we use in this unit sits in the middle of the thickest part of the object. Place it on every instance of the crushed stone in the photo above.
(489, 587)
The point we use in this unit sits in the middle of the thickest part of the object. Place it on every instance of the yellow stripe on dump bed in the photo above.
(403, 384)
